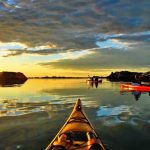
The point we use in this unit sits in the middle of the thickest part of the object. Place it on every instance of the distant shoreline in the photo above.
(53, 77)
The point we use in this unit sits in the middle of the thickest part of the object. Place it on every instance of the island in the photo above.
(129, 76)
(10, 78)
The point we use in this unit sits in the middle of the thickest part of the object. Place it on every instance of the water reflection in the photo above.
(93, 84)
(11, 83)
(115, 115)
(136, 94)
(35, 112)
(14, 108)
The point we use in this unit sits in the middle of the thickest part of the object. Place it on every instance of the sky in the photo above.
(74, 37)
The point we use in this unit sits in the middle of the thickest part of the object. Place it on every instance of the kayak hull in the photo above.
(132, 87)
(92, 81)
(76, 133)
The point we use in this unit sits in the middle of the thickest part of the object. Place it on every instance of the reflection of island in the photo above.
(11, 78)
(136, 94)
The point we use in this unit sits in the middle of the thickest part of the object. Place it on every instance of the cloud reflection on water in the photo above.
(14, 108)
(112, 116)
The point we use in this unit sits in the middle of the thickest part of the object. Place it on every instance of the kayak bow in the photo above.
(77, 133)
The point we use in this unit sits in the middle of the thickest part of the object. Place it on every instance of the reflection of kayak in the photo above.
(134, 87)
(93, 81)
(77, 133)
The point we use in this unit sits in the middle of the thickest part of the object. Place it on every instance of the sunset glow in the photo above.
(76, 42)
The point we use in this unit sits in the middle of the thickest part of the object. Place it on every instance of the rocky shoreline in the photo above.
(129, 76)
(10, 78)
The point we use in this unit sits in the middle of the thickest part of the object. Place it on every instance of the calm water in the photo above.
(31, 114)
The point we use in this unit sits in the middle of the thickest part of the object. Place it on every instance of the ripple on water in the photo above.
(105, 111)
(14, 108)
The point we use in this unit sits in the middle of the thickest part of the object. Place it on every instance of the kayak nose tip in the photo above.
(78, 105)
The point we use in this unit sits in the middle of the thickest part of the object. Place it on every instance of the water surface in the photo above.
(31, 114)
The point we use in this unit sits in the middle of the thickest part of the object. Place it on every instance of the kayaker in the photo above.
(62, 140)
(92, 78)
(135, 84)
(96, 79)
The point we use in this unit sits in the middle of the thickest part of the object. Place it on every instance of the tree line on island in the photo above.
(129, 76)
(56, 77)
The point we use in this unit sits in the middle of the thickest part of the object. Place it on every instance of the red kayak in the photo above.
(135, 87)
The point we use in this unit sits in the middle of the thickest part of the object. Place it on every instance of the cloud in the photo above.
(9, 53)
(122, 41)
(87, 35)
(16, 48)
(30, 52)
(106, 59)
(115, 41)
(74, 23)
